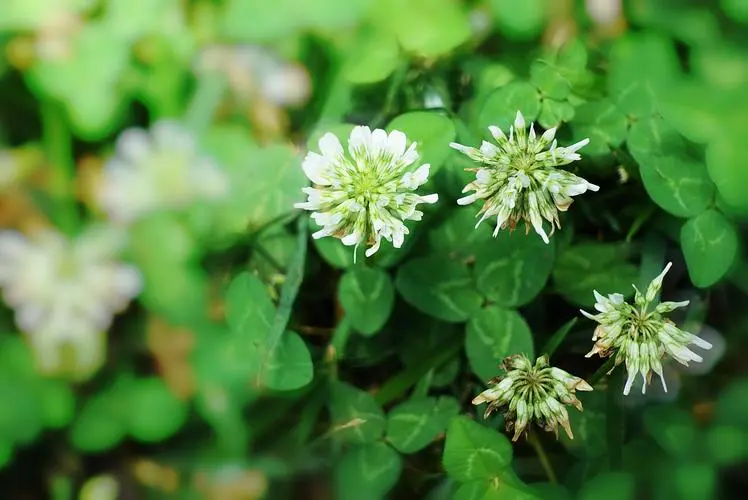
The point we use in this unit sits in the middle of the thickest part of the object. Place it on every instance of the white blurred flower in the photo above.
(518, 179)
(156, 170)
(9, 170)
(639, 336)
(65, 291)
(365, 196)
(603, 11)
(530, 393)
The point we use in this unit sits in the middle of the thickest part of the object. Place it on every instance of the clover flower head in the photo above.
(530, 393)
(366, 195)
(518, 178)
(641, 336)
(65, 291)
(158, 169)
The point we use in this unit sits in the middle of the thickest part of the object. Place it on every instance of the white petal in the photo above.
(460, 147)
(519, 121)
(315, 167)
(467, 200)
(396, 143)
(489, 149)
(371, 251)
(411, 155)
(351, 239)
(497, 133)
(378, 142)
(430, 198)
(548, 135)
(577, 146)
(359, 140)
(330, 146)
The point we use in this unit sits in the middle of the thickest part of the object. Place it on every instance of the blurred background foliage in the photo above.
(257, 364)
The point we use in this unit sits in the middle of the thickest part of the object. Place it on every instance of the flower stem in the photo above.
(532, 438)
(58, 149)
(205, 101)
(602, 371)
(389, 101)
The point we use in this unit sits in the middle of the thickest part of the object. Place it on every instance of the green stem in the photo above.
(602, 371)
(558, 337)
(615, 421)
(58, 147)
(389, 101)
(532, 438)
(205, 101)
(401, 382)
(336, 349)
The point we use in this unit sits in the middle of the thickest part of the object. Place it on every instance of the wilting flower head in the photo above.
(641, 336)
(365, 196)
(518, 178)
(157, 169)
(532, 393)
(65, 291)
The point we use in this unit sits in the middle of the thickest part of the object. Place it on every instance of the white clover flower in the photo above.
(65, 291)
(155, 170)
(518, 179)
(532, 393)
(639, 336)
(366, 196)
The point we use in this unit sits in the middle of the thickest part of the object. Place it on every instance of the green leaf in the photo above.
(725, 161)
(513, 269)
(549, 81)
(367, 472)
(732, 404)
(249, 310)
(373, 57)
(22, 416)
(710, 246)
(265, 180)
(432, 131)
(553, 113)
(160, 413)
(290, 367)
(493, 490)
(594, 266)
(439, 287)
(652, 137)
(414, 424)
(726, 445)
(474, 452)
(520, 21)
(589, 427)
(58, 403)
(457, 235)
(356, 417)
(367, 296)
(642, 67)
(27, 15)
(616, 485)
(694, 481)
(103, 421)
(673, 429)
(502, 105)
(493, 334)
(604, 124)
(443, 30)
(678, 184)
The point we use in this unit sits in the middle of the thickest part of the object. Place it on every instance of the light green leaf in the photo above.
(725, 161)
(356, 417)
(603, 123)
(160, 413)
(710, 246)
(678, 184)
(443, 30)
(367, 296)
(512, 269)
(265, 180)
(520, 21)
(616, 485)
(493, 490)
(594, 266)
(439, 287)
(493, 334)
(373, 57)
(291, 366)
(249, 310)
(553, 113)
(474, 452)
(549, 81)
(432, 131)
(103, 421)
(502, 105)
(694, 481)
(726, 445)
(367, 472)
(414, 424)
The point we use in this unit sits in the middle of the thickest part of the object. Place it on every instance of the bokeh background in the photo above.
(149, 162)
